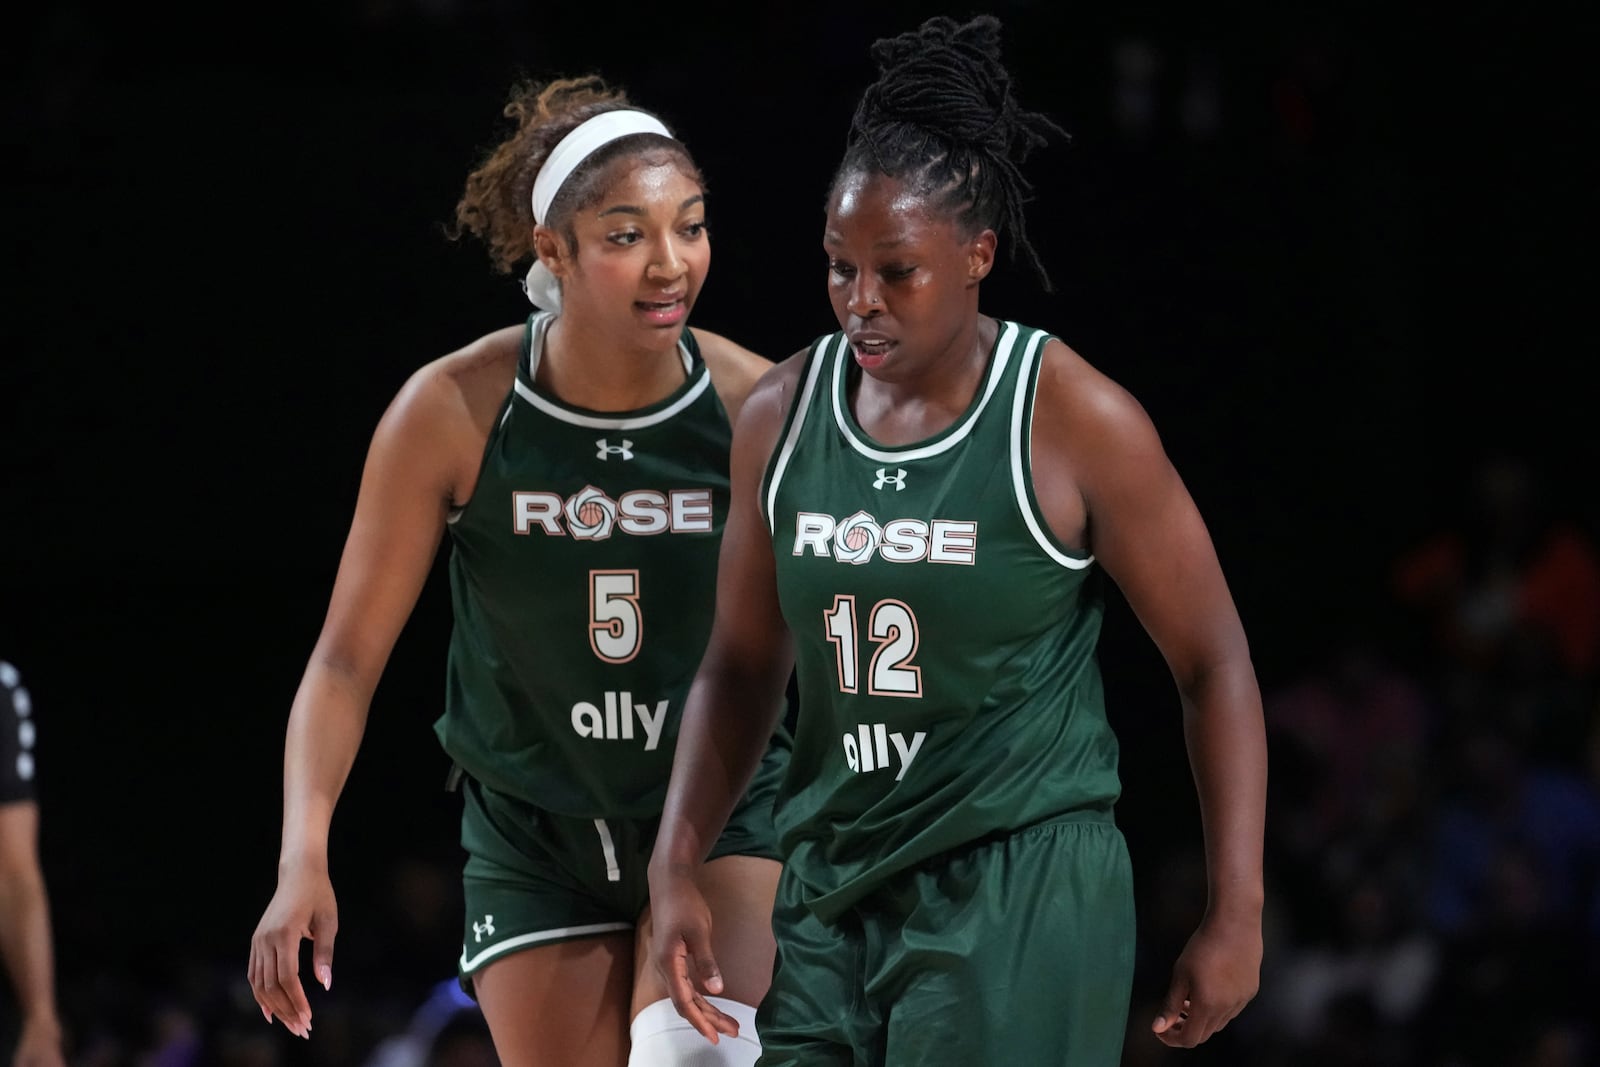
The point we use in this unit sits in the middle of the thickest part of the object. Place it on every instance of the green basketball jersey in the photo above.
(582, 574)
(944, 639)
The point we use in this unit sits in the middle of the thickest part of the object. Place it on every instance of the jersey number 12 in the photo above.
(893, 626)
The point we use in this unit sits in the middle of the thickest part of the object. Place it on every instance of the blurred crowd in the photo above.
(1433, 848)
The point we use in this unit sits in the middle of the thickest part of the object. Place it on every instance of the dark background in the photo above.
(1319, 247)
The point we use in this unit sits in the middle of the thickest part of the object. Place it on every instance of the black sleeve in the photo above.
(16, 737)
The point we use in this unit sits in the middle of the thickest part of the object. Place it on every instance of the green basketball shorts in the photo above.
(533, 877)
(1014, 950)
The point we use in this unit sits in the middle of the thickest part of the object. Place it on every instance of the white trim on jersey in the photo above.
(1002, 354)
(1022, 430)
(801, 406)
(606, 422)
(510, 943)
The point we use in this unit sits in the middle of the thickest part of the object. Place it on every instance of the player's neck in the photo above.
(589, 368)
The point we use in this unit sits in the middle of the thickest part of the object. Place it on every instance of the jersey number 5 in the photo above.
(893, 626)
(615, 628)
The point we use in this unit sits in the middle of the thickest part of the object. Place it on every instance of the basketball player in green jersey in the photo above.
(925, 508)
(579, 463)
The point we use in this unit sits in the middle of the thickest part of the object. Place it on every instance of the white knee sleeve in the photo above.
(662, 1039)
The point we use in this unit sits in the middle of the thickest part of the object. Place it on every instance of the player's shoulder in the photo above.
(488, 363)
(465, 387)
(1089, 419)
(16, 736)
(734, 368)
(724, 355)
(773, 393)
(1080, 396)
(14, 696)
(766, 411)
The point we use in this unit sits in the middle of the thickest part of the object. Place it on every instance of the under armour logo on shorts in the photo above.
(607, 449)
(485, 927)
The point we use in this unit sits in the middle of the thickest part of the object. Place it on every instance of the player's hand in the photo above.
(1215, 977)
(302, 908)
(680, 948)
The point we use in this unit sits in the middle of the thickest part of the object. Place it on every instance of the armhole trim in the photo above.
(1022, 457)
(779, 463)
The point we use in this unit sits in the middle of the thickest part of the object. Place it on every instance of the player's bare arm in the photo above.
(1131, 509)
(422, 457)
(732, 710)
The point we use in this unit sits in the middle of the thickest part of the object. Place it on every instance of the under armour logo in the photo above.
(485, 927)
(897, 479)
(625, 449)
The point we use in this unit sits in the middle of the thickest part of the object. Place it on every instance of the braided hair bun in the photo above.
(942, 118)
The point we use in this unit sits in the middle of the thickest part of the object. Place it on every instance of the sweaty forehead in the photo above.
(861, 193)
(656, 165)
(649, 172)
(885, 207)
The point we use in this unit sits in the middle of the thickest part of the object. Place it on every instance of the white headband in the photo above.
(568, 154)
